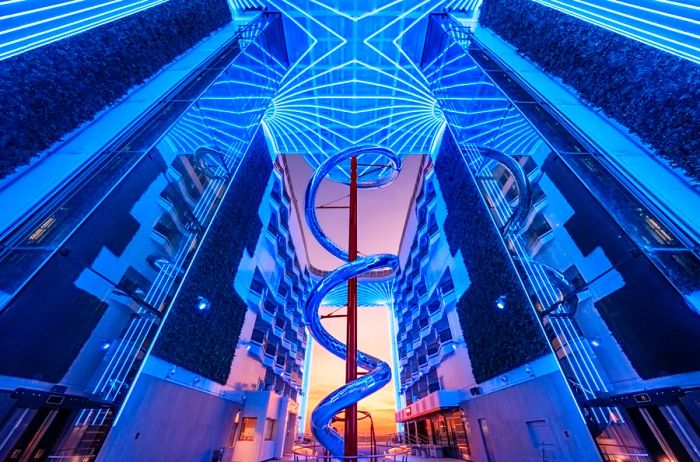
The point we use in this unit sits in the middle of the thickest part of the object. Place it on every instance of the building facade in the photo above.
(155, 262)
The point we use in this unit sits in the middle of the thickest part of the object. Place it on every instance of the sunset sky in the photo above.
(381, 212)
(328, 372)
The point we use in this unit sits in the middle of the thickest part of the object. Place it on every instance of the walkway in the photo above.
(670, 190)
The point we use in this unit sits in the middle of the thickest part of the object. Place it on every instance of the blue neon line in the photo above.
(306, 380)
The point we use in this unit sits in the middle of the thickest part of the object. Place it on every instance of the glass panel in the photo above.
(248, 429)
(84, 282)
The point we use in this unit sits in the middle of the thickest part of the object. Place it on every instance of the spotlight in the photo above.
(106, 345)
(501, 302)
(595, 342)
(203, 304)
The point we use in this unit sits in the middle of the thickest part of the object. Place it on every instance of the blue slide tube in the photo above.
(378, 372)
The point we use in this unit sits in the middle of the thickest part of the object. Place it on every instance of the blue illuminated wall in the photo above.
(624, 77)
(494, 110)
(672, 26)
(51, 90)
(29, 24)
(143, 234)
(429, 341)
(356, 81)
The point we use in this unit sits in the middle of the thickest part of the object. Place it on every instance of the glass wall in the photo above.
(87, 279)
(613, 282)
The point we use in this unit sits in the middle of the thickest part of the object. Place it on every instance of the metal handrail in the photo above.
(403, 438)
(317, 453)
(376, 274)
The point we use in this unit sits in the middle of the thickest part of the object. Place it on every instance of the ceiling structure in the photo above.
(356, 80)
(354, 77)
(670, 25)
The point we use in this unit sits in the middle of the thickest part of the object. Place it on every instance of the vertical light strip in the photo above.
(395, 359)
(305, 383)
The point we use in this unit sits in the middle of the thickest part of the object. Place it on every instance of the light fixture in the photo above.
(501, 302)
(105, 345)
(203, 304)
(595, 342)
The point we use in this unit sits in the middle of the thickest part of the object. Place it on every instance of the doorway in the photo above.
(289, 434)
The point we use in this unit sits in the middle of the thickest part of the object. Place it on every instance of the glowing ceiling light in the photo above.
(203, 304)
(352, 90)
(501, 302)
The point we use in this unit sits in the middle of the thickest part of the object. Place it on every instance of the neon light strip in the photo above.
(668, 26)
(41, 28)
(395, 360)
(299, 101)
(308, 354)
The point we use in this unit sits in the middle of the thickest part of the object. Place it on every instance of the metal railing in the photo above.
(376, 274)
(314, 452)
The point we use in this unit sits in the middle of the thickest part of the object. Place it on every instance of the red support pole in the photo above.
(351, 341)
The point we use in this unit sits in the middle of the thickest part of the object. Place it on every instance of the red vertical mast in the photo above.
(351, 361)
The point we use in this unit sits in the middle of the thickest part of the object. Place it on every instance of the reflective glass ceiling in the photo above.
(355, 80)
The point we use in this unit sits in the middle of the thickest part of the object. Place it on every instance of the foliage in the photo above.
(205, 342)
(50, 91)
(497, 340)
(653, 93)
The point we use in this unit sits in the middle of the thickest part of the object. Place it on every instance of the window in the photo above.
(248, 429)
(539, 228)
(133, 282)
(269, 429)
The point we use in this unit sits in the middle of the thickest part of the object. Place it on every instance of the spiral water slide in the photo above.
(378, 373)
